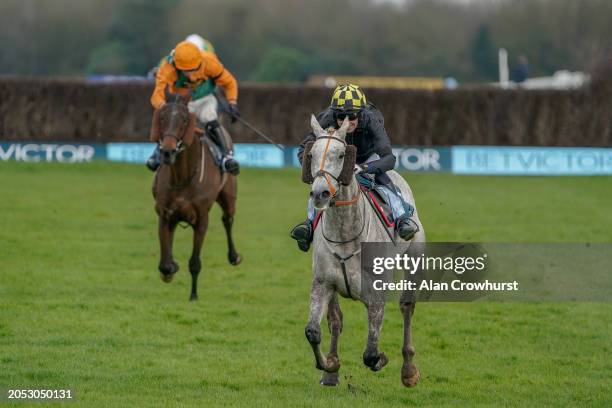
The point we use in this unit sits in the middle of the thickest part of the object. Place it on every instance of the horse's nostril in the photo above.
(325, 194)
(311, 194)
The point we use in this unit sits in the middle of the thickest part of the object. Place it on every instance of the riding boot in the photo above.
(228, 163)
(302, 233)
(403, 210)
(154, 161)
(406, 227)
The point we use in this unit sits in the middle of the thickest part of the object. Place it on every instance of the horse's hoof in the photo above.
(166, 278)
(193, 297)
(235, 260)
(382, 361)
(332, 365)
(330, 379)
(410, 375)
(167, 271)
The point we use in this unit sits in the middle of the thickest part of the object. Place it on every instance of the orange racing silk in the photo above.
(211, 69)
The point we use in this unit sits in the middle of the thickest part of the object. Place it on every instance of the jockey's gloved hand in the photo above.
(365, 168)
(233, 112)
(369, 168)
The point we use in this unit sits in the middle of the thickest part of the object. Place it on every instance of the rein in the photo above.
(343, 259)
(350, 240)
(339, 203)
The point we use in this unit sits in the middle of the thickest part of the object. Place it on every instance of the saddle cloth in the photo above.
(376, 196)
(215, 151)
(382, 208)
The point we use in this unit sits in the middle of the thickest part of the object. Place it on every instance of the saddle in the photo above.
(377, 199)
(215, 151)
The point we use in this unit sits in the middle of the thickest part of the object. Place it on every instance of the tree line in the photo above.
(288, 40)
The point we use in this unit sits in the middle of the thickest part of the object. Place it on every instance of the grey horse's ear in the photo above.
(348, 167)
(343, 128)
(316, 127)
(306, 163)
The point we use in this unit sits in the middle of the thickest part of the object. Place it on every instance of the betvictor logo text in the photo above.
(32, 152)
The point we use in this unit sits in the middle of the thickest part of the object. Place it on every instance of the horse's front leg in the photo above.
(334, 322)
(371, 356)
(320, 295)
(195, 265)
(410, 372)
(167, 266)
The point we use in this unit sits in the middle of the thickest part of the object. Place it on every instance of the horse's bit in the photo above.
(326, 174)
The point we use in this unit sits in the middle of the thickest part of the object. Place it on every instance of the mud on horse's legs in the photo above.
(410, 373)
(334, 322)
(320, 297)
(371, 356)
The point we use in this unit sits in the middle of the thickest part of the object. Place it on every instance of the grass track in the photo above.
(82, 306)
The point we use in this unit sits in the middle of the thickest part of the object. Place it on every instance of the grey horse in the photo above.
(347, 221)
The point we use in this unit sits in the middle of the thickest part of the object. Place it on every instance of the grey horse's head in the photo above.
(328, 163)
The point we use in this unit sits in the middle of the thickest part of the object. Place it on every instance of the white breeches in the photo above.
(204, 108)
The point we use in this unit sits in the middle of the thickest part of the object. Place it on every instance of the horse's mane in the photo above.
(174, 98)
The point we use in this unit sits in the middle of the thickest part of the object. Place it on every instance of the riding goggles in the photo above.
(350, 116)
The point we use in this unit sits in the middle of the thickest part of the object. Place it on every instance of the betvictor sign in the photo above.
(51, 152)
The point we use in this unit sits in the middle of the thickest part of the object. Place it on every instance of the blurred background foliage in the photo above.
(288, 40)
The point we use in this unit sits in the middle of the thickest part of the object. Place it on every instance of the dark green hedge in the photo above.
(72, 110)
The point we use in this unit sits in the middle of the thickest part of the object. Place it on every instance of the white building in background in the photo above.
(560, 80)
(563, 79)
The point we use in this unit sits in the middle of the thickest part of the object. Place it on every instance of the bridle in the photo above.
(180, 145)
(328, 176)
(334, 191)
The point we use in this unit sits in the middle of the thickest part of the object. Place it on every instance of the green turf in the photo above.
(82, 305)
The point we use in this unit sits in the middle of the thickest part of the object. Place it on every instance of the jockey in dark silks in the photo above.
(374, 157)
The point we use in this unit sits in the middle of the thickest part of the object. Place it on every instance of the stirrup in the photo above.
(407, 228)
(230, 165)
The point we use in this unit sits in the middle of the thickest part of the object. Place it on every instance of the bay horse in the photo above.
(347, 221)
(187, 185)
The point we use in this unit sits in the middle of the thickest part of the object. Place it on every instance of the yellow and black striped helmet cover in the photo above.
(348, 98)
